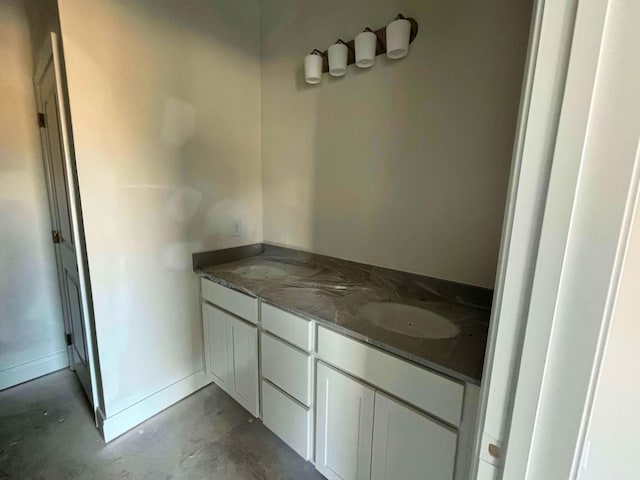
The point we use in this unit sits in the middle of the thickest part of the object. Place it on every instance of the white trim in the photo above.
(24, 372)
(551, 262)
(45, 57)
(74, 195)
(123, 421)
(630, 212)
(506, 240)
(543, 87)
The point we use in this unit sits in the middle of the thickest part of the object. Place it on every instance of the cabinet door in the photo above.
(344, 426)
(408, 445)
(243, 340)
(217, 346)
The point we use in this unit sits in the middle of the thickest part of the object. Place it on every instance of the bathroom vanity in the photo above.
(369, 373)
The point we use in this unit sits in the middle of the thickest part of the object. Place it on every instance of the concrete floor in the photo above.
(47, 432)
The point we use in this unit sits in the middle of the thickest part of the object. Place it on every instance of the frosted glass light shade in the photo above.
(313, 69)
(398, 34)
(366, 49)
(338, 59)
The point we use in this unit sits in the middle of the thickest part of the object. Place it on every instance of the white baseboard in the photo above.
(123, 421)
(24, 372)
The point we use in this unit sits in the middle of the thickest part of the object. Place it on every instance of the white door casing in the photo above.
(540, 104)
(65, 217)
(607, 72)
(589, 205)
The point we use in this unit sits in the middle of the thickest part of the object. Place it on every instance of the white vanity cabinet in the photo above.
(231, 354)
(215, 324)
(357, 412)
(344, 425)
(362, 431)
(287, 373)
(241, 305)
(287, 368)
(363, 434)
(243, 341)
(409, 445)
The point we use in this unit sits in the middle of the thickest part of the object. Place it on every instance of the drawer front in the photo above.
(287, 419)
(422, 388)
(287, 368)
(237, 303)
(293, 329)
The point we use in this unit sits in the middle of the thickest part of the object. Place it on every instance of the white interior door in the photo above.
(64, 238)
(344, 426)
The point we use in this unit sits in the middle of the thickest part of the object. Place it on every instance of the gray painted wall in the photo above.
(165, 109)
(31, 327)
(404, 165)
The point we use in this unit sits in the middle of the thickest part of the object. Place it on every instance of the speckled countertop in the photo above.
(334, 292)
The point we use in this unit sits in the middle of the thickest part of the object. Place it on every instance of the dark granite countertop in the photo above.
(334, 292)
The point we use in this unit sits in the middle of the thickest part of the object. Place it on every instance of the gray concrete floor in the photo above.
(47, 432)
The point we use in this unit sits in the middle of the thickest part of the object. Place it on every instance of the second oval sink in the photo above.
(409, 320)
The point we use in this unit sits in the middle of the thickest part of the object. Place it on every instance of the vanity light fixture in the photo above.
(313, 66)
(394, 40)
(366, 43)
(338, 53)
(398, 37)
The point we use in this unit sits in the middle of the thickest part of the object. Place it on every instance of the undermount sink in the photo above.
(260, 272)
(409, 320)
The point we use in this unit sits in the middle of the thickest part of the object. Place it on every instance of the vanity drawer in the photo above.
(287, 419)
(293, 329)
(287, 368)
(422, 388)
(234, 302)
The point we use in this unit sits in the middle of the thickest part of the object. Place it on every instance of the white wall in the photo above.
(31, 327)
(165, 109)
(405, 165)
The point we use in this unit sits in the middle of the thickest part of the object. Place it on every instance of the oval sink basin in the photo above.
(260, 272)
(409, 320)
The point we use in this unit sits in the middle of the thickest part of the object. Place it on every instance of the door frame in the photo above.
(550, 267)
(50, 53)
(531, 284)
(538, 119)
(560, 376)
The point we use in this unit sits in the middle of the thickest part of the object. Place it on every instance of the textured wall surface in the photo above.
(31, 326)
(404, 165)
(165, 107)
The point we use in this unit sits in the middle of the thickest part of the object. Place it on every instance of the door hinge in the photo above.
(42, 123)
(55, 235)
(68, 338)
